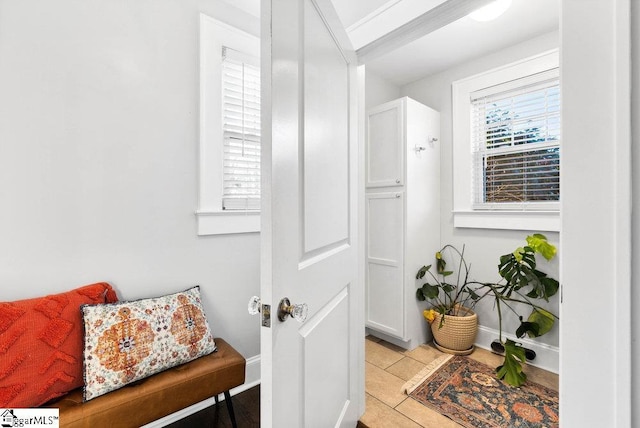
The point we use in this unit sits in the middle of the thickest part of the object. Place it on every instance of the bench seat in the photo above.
(156, 396)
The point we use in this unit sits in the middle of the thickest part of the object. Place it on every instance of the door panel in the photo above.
(384, 307)
(325, 344)
(385, 159)
(326, 135)
(385, 217)
(384, 299)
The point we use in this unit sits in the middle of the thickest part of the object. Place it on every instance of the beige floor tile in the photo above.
(379, 415)
(392, 347)
(425, 416)
(380, 355)
(486, 357)
(424, 353)
(406, 368)
(383, 386)
(543, 377)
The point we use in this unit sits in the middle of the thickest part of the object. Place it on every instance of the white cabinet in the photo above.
(402, 215)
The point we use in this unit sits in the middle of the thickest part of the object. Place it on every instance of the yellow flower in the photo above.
(429, 315)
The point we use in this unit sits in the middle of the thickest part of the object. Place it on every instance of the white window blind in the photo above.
(241, 131)
(516, 144)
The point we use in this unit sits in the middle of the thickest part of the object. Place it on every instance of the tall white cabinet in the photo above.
(402, 216)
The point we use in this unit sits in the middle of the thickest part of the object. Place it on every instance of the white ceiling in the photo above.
(456, 43)
(466, 39)
(351, 11)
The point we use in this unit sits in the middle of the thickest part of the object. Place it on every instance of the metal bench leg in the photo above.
(232, 415)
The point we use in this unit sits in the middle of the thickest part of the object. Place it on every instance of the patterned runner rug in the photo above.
(467, 392)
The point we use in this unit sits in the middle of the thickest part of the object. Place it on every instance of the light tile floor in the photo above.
(388, 367)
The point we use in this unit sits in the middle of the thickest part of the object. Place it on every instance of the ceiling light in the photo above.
(490, 11)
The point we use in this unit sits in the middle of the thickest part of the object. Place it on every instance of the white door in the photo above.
(312, 372)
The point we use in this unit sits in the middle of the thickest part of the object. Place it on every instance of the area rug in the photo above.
(467, 392)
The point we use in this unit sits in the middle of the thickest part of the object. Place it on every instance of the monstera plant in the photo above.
(521, 284)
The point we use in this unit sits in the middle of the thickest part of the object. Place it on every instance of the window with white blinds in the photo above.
(241, 131)
(515, 144)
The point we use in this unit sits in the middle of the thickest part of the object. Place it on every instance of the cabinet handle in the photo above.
(397, 181)
(397, 195)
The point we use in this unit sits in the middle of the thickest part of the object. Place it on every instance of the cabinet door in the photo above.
(385, 251)
(385, 145)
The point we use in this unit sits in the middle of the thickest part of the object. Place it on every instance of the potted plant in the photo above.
(521, 283)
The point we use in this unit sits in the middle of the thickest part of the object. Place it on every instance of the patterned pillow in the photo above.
(41, 345)
(128, 341)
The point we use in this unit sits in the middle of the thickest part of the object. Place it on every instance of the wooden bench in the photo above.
(159, 395)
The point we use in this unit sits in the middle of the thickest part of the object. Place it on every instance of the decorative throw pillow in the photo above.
(41, 345)
(128, 341)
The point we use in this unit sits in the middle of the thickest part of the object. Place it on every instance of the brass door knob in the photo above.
(297, 312)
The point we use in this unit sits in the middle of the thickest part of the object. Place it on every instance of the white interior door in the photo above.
(312, 372)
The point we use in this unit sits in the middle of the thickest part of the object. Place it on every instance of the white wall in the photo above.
(98, 157)
(378, 90)
(483, 247)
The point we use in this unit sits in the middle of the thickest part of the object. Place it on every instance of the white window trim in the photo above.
(212, 219)
(463, 213)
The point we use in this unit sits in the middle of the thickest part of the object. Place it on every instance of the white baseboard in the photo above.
(547, 356)
(252, 378)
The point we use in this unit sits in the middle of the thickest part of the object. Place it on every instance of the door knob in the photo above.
(255, 306)
(297, 312)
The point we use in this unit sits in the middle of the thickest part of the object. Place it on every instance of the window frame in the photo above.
(465, 215)
(211, 218)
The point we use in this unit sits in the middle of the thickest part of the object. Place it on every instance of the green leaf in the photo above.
(430, 291)
(533, 294)
(423, 270)
(530, 328)
(511, 370)
(544, 321)
(447, 288)
(442, 311)
(551, 286)
(540, 245)
(518, 253)
(420, 295)
(529, 258)
(446, 273)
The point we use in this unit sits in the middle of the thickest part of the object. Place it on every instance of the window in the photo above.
(507, 147)
(241, 131)
(515, 144)
(229, 155)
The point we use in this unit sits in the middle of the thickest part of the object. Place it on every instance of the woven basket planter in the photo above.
(458, 333)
